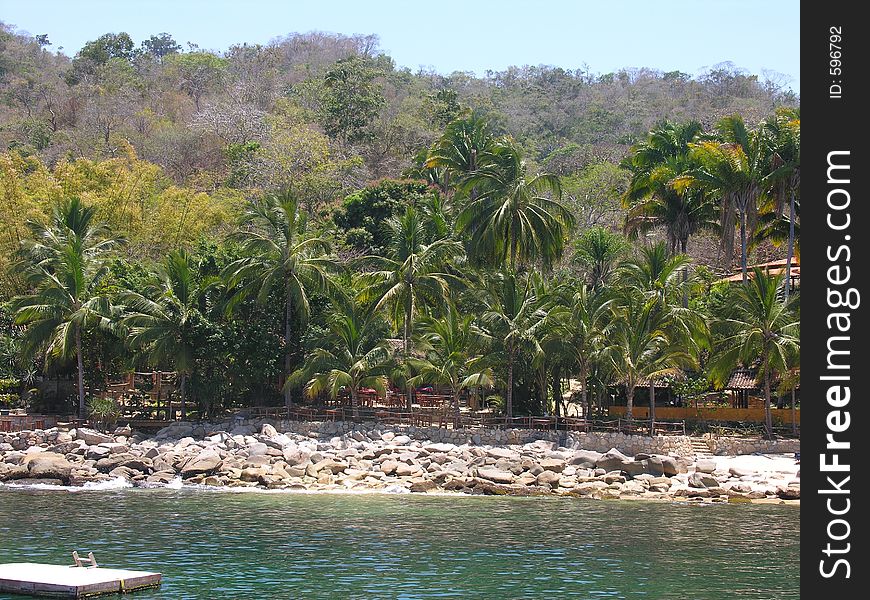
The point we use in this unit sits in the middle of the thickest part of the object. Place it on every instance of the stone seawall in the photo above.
(597, 441)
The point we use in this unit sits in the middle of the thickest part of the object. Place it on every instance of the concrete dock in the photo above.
(60, 581)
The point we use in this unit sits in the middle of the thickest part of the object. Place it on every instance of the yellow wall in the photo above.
(667, 413)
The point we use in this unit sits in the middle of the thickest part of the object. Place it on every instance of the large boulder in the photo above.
(111, 461)
(423, 485)
(585, 459)
(388, 467)
(612, 460)
(98, 452)
(439, 448)
(702, 480)
(548, 478)
(205, 463)
(553, 464)
(496, 475)
(48, 465)
(404, 469)
(633, 468)
(92, 437)
(671, 466)
(8, 472)
(654, 465)
(502, 453)
(268, 431)
(705, 465)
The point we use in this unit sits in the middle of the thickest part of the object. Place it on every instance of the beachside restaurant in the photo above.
(740, 401)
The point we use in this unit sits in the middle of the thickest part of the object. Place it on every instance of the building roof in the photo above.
(742, 379)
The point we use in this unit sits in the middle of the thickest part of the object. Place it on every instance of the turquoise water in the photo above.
(267, 545)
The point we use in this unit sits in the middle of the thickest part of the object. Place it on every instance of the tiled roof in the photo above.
(742, 379)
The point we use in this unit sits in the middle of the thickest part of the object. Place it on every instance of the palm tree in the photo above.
(513, 216)
(655, 273)
(734, 167)
(759, 329)
(352, 356)
(165, 321)
(642, 343)
(453, 347)
(65, 263)
(578, 319)
(513, 313)
(598, 249)
(281, 254)
(412, 275)
(653, 201)
(460, 151)
(784, 135)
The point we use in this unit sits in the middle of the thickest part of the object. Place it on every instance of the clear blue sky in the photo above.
(467, 35)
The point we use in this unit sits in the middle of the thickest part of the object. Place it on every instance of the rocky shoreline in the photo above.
(376, 459)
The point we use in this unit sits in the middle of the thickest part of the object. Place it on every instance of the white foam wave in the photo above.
(118, 483)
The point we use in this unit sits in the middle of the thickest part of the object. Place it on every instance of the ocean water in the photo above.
(221, 544)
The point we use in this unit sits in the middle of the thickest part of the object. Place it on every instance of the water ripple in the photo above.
(411, 547)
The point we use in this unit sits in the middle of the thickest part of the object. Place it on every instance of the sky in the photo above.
(449, 35)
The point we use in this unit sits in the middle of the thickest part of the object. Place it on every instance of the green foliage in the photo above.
(350, 99)
(105, 411)
(363, 214)
(107, 47)
(160, 45)
(598, 251)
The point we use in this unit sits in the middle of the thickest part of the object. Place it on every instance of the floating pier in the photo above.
(60, 581)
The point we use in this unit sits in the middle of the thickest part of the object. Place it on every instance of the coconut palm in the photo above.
(784, 136)
(656, 273)
(758, 329)
(513, 313)
(576, 322)
(734, 167)
(598, 249)
(65, 263)
(452, 348)
(412, 275)
(281, 255)
(165, 322)
(642, 342)
(353, 356)
(651, 199)
(460, 151)
(514, 217)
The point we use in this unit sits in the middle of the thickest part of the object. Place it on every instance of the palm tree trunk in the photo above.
(183, 393)
(790, 247)
(354, 402)
(793, 415)
(557, 391)
(288, 358)
(652, 408)
(81, 372)
(683, 244)
(768, 418)
(406, 332)
(457, 413)
(509, 406)
(743, 243)
(629, 394)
